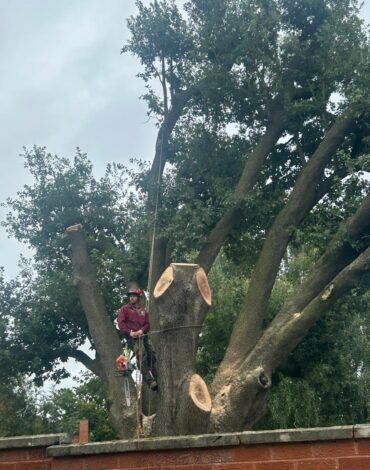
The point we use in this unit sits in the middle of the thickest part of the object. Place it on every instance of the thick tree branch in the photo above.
(101, 328)
(248, 327)
(342, 249)
(94, 365)
(247, 180)
(161, 147)
(276, 344)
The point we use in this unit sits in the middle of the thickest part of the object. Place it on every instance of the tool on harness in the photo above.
(124, 367)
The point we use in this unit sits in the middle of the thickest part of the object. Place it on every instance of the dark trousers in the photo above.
(148, 360)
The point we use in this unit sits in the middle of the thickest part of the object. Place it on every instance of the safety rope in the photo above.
(151, 256)
(139, 410)
(139, 384)
(156, 332)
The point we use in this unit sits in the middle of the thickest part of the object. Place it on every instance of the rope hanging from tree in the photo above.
(139, 410)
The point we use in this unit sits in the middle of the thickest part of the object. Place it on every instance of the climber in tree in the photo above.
(133, 323)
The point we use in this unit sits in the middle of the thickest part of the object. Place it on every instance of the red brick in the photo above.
(32, 465)
(101, 462)
(67, 464)
(290, 451)
(188, 467)
(354, 463)
(12, 455)
(7, 466)
(232, 466)
(334, 449)
(251, 453)
(155, 459)
(363, 447)
(282, 465)
(213, 455)
(317, 464)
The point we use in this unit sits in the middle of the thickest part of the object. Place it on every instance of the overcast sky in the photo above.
(63, 84)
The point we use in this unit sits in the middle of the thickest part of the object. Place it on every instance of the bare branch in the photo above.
(248, 327)
(164, 87)
(94, 365)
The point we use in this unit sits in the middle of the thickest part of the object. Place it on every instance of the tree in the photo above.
(259, 195)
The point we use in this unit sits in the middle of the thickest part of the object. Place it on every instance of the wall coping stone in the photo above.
(214, 440)
(41, 440)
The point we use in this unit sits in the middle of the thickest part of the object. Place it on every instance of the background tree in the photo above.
(262, 167)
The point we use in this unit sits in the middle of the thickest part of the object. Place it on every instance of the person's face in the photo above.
(133, 298)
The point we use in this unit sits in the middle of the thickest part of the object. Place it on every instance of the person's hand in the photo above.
(133, 334)
(139, 333)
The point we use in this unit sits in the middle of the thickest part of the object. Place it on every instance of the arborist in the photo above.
(133, 323)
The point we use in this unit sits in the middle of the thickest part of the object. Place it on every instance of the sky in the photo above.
(64, 84)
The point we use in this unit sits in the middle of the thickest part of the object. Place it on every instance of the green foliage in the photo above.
(48, 322)
(24, 410)
(326, 379)
(63, 409)
(227, 294)
(19, 411)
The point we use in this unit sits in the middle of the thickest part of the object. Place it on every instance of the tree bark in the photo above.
(103, 333)
(181, 295)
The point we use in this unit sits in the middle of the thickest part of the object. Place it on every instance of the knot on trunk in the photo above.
(264, 380)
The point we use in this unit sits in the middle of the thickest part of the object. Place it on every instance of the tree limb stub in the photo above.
(168, 277)
(164, 282)
(199, 393)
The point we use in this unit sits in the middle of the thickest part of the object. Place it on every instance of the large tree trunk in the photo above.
(103, 334)
(181, 295)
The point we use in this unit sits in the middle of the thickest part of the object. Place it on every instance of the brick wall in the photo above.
(28, 452)
(335, 448)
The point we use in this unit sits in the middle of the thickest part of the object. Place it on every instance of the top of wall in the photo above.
(358, 431)
(59, 444)
(41, 440)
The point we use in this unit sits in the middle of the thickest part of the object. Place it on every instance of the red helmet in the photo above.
(137, 292)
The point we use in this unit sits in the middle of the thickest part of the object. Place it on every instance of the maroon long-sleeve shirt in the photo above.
(132, 319)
